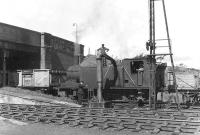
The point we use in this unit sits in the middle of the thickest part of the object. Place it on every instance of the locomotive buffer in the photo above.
(151, 46)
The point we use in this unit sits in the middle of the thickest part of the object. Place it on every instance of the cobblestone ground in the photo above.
(14, 128)
(101, 121)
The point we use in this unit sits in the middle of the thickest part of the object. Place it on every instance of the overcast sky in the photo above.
(122, 25)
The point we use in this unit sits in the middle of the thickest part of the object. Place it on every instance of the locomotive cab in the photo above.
(133, 80)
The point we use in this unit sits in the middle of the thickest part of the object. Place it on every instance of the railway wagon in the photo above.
(41, 79)
(188, 84)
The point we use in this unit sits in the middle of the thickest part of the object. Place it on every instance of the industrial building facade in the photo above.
(26, 49)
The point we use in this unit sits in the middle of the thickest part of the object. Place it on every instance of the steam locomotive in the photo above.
(127, 79)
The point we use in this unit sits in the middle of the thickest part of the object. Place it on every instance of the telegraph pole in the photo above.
(151, 45)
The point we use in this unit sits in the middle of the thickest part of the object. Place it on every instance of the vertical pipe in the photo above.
(42, 52)
(152, 89)
(150, 24)
(198, 81)
(4, 66)
(153, 58)
(99, 78)
(123, 77)
(76, 46)
(153, 27)
(154, 83)
(150, 41)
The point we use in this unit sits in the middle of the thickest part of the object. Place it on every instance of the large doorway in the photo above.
(17, 60)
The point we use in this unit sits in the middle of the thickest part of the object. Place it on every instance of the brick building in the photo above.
(26, 49)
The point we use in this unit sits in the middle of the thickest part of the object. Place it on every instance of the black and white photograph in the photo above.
(99, 67)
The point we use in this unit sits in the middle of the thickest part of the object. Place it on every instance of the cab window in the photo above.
(135, 66)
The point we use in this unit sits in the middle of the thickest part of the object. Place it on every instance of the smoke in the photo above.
(121, 26)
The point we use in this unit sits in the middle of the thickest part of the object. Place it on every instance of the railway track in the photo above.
(131, 120)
